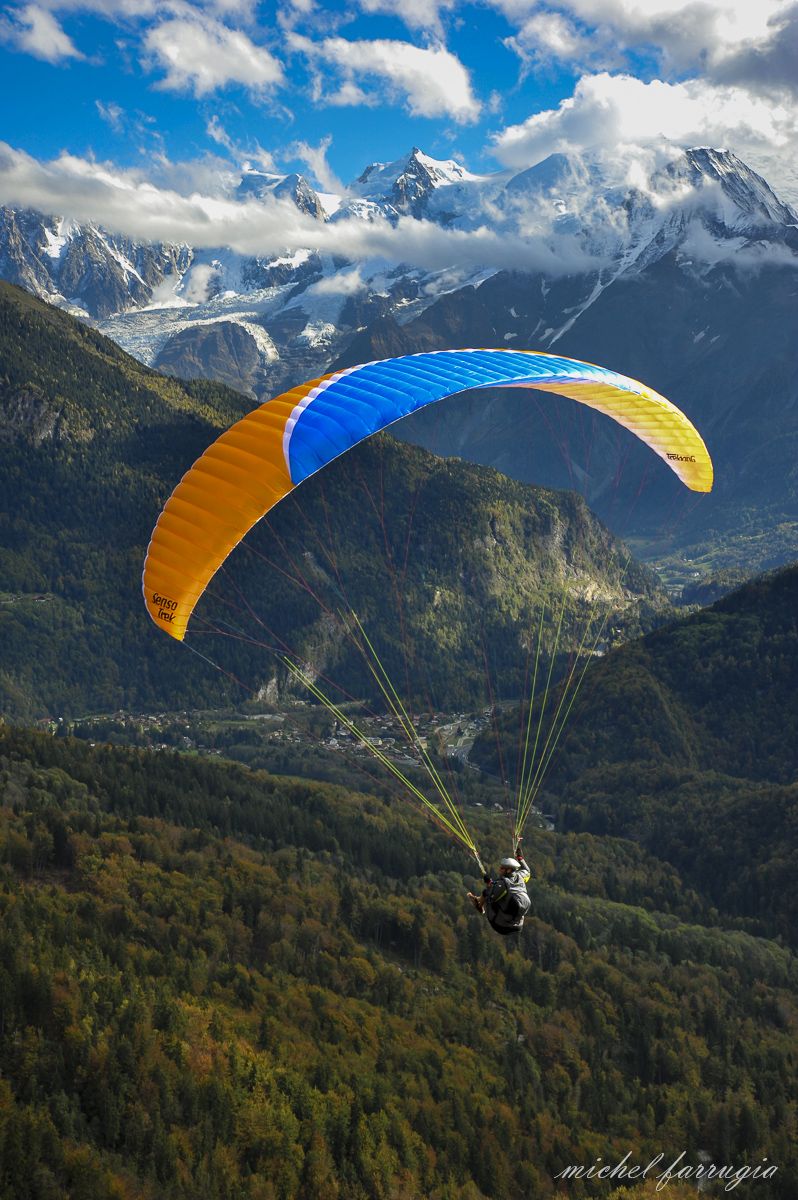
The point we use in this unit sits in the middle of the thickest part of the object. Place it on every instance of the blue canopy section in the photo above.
(373, 396)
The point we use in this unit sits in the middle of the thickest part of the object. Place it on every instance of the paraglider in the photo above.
(268, 453)
(505, 901)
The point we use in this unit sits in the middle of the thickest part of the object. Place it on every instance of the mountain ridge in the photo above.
(684, 277)
(92, 443)
(38, 247)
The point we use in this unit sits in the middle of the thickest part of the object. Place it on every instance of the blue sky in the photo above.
(100, 94)
(117, 102)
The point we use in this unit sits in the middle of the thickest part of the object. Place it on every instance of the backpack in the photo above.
(510, 910)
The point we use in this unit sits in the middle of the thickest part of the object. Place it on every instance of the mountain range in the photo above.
(680, 272)
(440, 559)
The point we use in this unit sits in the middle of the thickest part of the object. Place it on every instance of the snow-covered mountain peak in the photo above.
(595, 191)
(255, 184)
(747, 198)
(579, 221)
(440, 171)
(296, 187)
(631, 212)
(557, 172)
(258, 185)
(407, 183)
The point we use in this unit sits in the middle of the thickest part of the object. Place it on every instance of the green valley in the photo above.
(445, 563)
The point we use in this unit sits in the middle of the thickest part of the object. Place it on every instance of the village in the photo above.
(299, 734)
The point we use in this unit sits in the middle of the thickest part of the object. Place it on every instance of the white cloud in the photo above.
(209, 175)
(127, 202)
(315, 158)
(685, 35)
(36, 31)
(549, 35)
(348, 95)
(619, 110)
(198, 283)
(708, 251)
(342, 283)
(227, 9)
(201, 55)
(416, 14)
(432, 81)
(770, 63)
(426, 245)
(111, 113)
(120, 11)
(251, 153)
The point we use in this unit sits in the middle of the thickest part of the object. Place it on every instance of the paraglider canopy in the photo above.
(264, 456)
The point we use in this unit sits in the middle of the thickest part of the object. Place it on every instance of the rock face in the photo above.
(222, 351)
(22, 250)
(297, 189)
(28, 416)
(81, 266)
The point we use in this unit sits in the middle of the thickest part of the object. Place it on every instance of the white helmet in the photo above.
(511, 862)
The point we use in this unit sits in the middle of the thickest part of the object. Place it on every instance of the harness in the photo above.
(506, 913)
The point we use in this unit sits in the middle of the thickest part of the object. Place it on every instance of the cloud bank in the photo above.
(126, 202)
(618, 111)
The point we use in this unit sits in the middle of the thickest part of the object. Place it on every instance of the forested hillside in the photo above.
(446, 563)
(687, 740)
(218, 984)
(88, 438)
